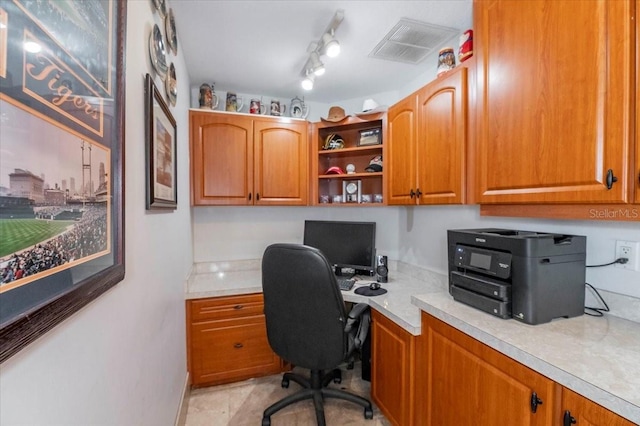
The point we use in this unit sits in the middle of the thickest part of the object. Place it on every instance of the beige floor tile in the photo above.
(242, 404)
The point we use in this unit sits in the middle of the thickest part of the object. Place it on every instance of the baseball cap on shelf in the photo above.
(333, 141)
(375, 165)
(369, 106)
(335, 170)
(336, 114)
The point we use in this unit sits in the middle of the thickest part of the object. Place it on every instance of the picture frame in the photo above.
(161, 150)
(62, 96)
(370, 137)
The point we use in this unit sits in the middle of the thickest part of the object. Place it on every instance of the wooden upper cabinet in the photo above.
(441, 139)
(635, 170)
(281, 162)
(428, 132)
(221, 159)
(241, 160)
(401, 152)
(555, 91)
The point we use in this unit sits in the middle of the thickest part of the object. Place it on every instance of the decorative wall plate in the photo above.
(157, 52)
(161, 6)
(170, 31)
(171, 85)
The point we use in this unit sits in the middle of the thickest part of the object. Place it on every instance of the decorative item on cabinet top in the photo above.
(298, 109)
(208, 98)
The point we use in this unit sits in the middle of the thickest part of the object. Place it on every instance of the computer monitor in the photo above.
(344, 244)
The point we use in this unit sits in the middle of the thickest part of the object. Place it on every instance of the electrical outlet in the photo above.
(631, 251)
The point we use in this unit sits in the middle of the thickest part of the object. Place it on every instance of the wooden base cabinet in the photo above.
(578, 410)
(464, 382)
(227, 340)
(237, 159)
(392, 373)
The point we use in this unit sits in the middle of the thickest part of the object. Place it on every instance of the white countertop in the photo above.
(597, 357)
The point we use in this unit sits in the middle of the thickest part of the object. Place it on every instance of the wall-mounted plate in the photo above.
(171, 85)
(157, 52)
(170, 31)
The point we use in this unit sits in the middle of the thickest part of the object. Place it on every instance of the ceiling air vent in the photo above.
(411, 41)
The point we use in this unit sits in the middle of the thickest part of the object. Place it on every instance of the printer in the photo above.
(532, 277)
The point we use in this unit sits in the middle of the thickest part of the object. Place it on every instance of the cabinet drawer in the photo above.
(229, 350)
(226, 307)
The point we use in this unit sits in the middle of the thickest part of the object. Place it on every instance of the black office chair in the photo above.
(307, 324)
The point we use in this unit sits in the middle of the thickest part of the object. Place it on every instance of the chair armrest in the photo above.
(359, 316)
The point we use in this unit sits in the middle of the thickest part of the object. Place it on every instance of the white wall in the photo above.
(416, 235)
(121, 359)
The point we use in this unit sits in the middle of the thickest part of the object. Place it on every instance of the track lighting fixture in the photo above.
(327, 45)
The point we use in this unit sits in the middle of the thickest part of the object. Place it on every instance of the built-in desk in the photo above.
(596, 357)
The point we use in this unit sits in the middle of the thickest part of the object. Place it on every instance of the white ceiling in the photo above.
(260, 47)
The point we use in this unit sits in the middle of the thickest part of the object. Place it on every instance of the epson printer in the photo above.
(529, 276)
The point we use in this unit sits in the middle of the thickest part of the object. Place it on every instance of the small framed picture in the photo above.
(370, 137)
(161, 145)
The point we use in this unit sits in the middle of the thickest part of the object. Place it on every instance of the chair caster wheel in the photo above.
(368, 414)
(266, 421)
(284, 384)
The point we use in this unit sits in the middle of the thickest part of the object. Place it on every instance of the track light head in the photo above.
(330, 45)
(316, 64)
(307, 83)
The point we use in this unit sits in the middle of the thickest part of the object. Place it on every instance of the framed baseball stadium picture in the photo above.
(61, 161)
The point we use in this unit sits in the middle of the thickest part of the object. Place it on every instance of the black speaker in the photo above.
(382, 269)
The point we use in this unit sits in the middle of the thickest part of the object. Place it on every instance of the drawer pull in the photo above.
(238, 307)
(238, 346)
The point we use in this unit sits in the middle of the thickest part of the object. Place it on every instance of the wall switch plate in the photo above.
(630, 250)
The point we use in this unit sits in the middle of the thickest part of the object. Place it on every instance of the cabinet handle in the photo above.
(412, 193)
(257, 196)
(249, 196)
(238, 346)
(418, 193)
(535, 401)
(568, 419)
(237, 307)
(611, 179)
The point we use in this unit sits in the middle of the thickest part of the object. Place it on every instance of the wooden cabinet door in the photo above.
(227, 340)
(586, 412)
(441, 139)
(554, 100)
(231, 350)
(400, 156)
(281, 161)
(221, 159)
(392, 366)
(471, 384)
(635, 169)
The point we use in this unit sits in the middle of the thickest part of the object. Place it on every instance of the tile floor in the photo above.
(242, 404)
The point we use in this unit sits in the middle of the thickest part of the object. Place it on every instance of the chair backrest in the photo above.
(303, 306)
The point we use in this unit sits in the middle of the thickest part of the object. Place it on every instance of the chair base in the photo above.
(315, 388)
